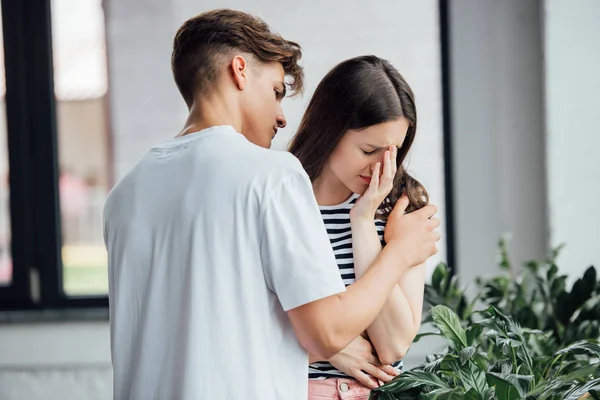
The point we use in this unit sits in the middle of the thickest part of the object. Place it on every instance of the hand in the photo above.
(357, 360)
(380, 186)
(413, 233)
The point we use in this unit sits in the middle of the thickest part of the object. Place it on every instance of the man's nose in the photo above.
(281, 121)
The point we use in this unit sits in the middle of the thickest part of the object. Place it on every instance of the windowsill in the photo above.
(50, 339)
(45, 316)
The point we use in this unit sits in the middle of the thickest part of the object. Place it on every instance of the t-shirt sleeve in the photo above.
(298, 260)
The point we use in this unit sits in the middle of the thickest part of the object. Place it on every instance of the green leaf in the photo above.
(583, 288)
(526, 316)
(496, 289)
(434, 356)
(555, 253)
(466, 354)
(592, 370)
(590, 310)
(473, 332)
(472, 395)
(472, 377)
(566, 381)
(503, 366)
(582, 347)
(411, 394)
(504, 389)
(504, 261)
(582, 388)
(439, 273)
(532, 266)
(448, 323)
(545, 387)
(564, 307)
(489, 394)
(422, 335)
(492, 334)
(513, 330)
(507, 344)
(444, 394)
(558, 286)
(590, 275)
(445, 363)
(533, 331)
(434, 365)
(523, 383)
(412, 379)
(481, 361)
(552, 271)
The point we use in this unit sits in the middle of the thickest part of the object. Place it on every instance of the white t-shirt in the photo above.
(211, 239)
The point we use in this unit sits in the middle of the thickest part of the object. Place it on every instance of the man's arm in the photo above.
(326, 326)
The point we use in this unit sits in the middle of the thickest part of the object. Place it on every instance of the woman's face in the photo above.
(354, 158)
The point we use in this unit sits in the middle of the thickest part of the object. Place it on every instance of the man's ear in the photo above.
(240, 69)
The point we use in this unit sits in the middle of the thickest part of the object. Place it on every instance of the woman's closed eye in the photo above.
(369, 152)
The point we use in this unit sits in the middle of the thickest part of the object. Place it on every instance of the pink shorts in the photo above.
(337, 389)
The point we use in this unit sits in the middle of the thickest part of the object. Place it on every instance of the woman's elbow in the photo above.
(396, 350)
(392, 355)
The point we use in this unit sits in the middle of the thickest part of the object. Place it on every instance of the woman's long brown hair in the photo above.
(356, 94)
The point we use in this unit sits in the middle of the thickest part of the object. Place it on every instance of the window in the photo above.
(40, 122)
(80, 86)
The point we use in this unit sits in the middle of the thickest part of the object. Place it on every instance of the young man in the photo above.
(221, 275)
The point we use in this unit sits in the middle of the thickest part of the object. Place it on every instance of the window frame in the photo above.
(33, 159)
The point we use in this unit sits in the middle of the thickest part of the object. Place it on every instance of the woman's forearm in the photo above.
(395, 327)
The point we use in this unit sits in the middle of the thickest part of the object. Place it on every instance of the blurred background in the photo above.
(507, 95)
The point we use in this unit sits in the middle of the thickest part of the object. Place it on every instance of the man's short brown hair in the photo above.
(202, 43)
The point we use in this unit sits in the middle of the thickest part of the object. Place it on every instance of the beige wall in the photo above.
(83, 139)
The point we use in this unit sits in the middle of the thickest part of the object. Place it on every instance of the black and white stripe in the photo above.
(337, 222)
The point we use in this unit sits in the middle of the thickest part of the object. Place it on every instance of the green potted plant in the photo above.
(536, 297)
(493, 359)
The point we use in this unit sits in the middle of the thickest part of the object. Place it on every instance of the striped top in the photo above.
(337, 222)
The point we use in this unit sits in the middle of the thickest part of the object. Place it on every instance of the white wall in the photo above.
(497, 132)
(59, 361)
(90, 383)
(572, 84)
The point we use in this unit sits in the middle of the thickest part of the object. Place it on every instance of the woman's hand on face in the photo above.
(380, 186)
(358, 361)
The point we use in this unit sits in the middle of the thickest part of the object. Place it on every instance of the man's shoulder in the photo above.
(277, 164)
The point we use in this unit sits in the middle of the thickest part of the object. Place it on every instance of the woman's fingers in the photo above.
(388, 369)
(394, 157)
(387, 167)
(374, 184)
(378, 373)
(365, 379)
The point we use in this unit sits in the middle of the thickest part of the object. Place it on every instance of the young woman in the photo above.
(352, 141)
